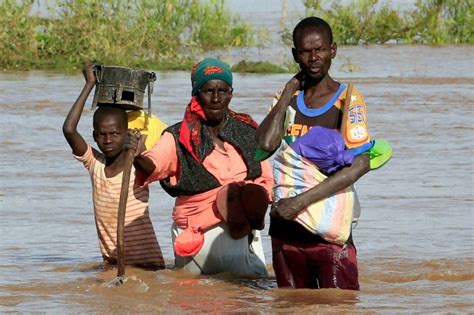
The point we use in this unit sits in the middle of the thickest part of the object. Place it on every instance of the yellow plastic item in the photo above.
(151, 126)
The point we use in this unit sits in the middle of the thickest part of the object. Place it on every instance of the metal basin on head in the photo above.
(122, 87)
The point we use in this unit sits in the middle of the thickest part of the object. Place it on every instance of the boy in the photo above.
(105, 169)
(302, 259)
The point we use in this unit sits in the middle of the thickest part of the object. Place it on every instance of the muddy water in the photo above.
(415, 236)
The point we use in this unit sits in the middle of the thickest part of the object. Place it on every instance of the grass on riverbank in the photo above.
(121, 32)
(258, 67)
(174, 34)
(433, 22)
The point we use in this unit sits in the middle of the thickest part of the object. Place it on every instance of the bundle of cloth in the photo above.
(308, 160)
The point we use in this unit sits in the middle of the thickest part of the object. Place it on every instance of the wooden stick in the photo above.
(345, 110)
(121, 212)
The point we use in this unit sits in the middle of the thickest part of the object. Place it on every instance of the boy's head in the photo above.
(110, 130)
(314, 48)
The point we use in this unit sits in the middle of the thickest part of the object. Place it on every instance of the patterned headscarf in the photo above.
(209, 69)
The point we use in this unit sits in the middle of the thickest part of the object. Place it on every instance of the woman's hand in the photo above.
(286, 208)
(135, 141)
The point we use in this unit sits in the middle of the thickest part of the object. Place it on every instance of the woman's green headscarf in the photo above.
(209, 69)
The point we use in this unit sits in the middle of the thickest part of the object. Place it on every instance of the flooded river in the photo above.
(414, 239)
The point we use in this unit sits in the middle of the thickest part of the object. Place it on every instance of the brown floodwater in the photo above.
(414, 239)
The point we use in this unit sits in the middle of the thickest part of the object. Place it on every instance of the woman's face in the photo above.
(214, 97)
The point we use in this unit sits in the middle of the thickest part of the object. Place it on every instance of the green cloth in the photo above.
(209, 69)
(380, 154)
(261, 155)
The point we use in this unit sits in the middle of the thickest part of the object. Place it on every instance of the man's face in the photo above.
(214, 97)
(110, 135)
(314, 52)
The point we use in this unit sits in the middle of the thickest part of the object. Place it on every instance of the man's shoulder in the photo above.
(279, 92)
(355, 91)
(357, 95)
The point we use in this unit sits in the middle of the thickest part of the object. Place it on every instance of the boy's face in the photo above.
(110, 135)
(313, 52)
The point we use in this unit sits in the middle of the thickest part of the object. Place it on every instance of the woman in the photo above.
(206, 162)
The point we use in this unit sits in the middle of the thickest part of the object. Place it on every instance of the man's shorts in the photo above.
(315, 266)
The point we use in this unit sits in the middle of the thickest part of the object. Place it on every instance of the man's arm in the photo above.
(288, 208)
(270, 132)
(75, 140)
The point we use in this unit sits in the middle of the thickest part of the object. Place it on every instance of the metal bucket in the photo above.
(122, 87)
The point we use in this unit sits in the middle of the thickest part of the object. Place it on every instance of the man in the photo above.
(302, 259)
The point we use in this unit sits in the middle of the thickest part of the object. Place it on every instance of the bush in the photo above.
(133, 33)
(17, 41)
(442, 21)
(368, 22)
(257, 67)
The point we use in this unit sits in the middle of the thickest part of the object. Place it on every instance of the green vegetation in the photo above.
(17, 45)
(442, 21)
(368, 22)
(173, 34)
(257, 67)
(137, 33)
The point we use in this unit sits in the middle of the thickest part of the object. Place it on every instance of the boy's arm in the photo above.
(75, 140)
(288, 208)
(270, 132)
